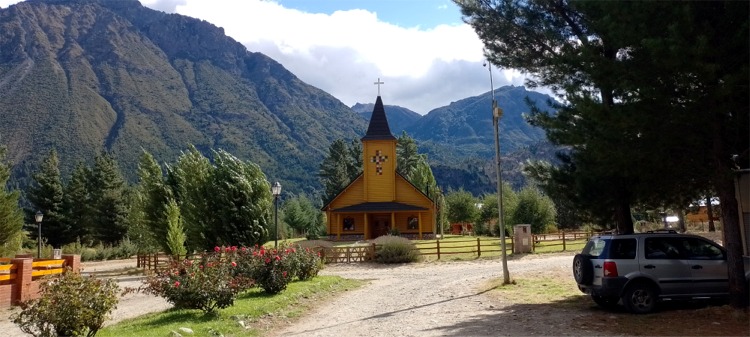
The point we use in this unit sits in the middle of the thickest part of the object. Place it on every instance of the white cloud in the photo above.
(344, 52)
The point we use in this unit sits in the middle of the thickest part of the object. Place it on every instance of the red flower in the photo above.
(244, 249)
(318, 254)
(234, 248)
(294, 250)
(234, 264)
(278, 258)
(200, 266)
(268, 260)
(227, 249)
(176, 284)
(283, 274)
(217, 249)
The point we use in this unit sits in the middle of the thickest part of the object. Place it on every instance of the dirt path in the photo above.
(434, 299)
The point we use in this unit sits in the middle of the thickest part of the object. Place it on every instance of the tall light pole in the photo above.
(276, 191)
(496, 114)
(38, 217)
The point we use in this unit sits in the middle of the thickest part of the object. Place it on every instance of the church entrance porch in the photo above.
(381, 225)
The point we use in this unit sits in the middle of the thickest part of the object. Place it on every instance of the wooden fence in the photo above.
(438, 248)
(20, 277)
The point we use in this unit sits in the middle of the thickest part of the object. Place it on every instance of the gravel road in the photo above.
(425, 299)
(434, 299)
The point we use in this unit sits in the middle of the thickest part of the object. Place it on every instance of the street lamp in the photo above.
(497, 112)
(276, 191)
(38, 217)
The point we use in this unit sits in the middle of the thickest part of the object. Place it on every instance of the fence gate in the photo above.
(348, 254)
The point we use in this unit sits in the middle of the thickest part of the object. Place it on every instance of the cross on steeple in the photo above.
(378, 158)
(378, 83)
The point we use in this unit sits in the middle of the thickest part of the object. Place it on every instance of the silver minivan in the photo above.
(641, 269)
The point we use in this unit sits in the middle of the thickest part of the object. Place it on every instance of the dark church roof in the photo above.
(378, 129)
(379, 207)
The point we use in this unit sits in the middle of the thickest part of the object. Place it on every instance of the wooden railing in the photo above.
(471, 246)
(566, 239)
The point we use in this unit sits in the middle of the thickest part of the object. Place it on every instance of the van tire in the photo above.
(583, 270)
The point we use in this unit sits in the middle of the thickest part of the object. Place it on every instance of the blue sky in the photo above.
(405, 13)
(421, 49)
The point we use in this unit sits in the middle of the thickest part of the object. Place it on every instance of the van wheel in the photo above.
(583, 271)
(606, 302)
(640, 298)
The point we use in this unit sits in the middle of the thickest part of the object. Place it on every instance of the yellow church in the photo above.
(379, 201)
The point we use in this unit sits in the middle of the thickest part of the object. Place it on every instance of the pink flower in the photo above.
(268, 260)
(244, 249)
(278, 258)
(200, 266)
(234, 264)
(234, 248)
(283, 274)
(176, 284)
(294, 250)
(217, 249)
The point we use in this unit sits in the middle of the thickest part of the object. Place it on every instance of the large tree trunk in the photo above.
(623, 219)
(710, 214)
(733, 243)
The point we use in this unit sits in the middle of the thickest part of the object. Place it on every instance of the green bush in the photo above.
(207, 283)
(70, 305)
(305, 263)
(271, 269)
(395, 249)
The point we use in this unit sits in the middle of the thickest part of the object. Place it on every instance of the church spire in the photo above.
(378, 128)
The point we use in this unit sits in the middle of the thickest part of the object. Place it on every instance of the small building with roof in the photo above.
(379, 201)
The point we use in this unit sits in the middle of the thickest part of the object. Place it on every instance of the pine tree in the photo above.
(46, 196)
(11, 216)
(155, 195)
(407, 155)
(77, 205)
(109, 211)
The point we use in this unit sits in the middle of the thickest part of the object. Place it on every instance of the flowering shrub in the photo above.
(271, 269)
(305, 263)
(206, 283)
(70, 305)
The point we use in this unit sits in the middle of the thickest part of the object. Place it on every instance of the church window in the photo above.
(349, 224)
(412, 222)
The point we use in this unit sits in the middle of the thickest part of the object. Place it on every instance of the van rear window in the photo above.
(595, 247)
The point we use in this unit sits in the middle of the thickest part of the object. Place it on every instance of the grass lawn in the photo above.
(254, 308)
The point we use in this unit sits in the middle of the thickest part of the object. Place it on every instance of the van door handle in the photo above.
(649, 266)
(697, 266)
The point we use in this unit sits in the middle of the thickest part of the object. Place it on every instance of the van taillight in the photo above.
(610, 269)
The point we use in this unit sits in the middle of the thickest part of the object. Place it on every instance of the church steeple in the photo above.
(378, 128)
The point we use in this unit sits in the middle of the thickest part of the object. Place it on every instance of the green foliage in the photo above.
(535, 209)
(342, 165)
(190, 177)
(395, 249)
(70, 305)
(240, 202)
(300, 214)
(107, 198)
(175, 231)
(306, 263)
(11, 217)
(46, 195)
(154, 195)
(490, 213)
(206, 283)
(461, 206)
(407, 155)
(76, 204)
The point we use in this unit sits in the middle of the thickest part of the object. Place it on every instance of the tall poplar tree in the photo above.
(107, 192)
(11, 216)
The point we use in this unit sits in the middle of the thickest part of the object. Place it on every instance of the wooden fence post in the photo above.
(563, 232)
(479, 249)
(438, 248)
(512, 247)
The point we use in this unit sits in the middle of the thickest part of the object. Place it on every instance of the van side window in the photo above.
(622, 249)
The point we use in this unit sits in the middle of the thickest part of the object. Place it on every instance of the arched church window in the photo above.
(412, 222)
(348, 223)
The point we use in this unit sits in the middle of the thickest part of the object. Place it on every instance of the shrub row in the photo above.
(212, 280)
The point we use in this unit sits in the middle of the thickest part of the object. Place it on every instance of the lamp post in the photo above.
(38, 217)
(664, 219)
(276, 191)
(497, 112)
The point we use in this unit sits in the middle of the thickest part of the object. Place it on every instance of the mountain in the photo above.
(466, 125)
(399, 118)
(85, 76)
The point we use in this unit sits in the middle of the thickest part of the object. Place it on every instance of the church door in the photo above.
(381, 225)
